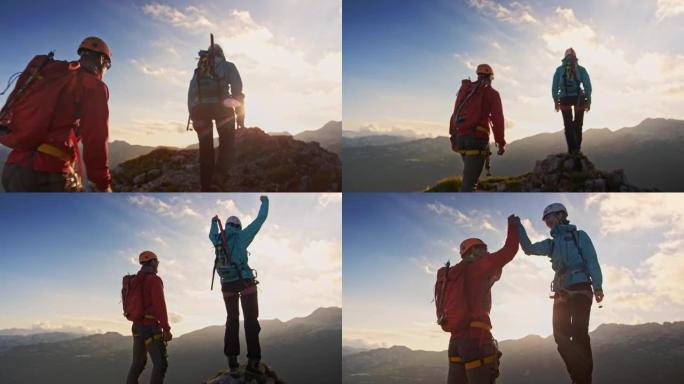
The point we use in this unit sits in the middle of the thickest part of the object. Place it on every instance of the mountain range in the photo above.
(647, 153)
(302, 350)
(626, 354)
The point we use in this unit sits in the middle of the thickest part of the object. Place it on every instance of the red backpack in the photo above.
(451, 299)
(28, 112)
(132, 297)
(468, 113)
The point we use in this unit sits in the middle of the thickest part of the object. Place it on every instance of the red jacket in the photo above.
(155, 305)
(479, 278)
(492, 114)
(93, 130)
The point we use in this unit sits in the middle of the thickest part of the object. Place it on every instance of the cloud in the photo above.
(162, 208)
(191, 18)
(669, 8)
(661, 273)
(624, 213)
(175, 317)
(532, 233)
(175, 76)
(286, 77)
(516, 13)
(474, 218)
(325, 199)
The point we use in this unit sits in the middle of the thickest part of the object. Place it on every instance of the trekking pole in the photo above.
(187, 127)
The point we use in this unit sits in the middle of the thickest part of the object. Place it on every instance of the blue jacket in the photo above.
(231, 85)
(562, 87)
(238, 241)
(565, 255)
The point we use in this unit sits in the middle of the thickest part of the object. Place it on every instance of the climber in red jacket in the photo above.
(152, 333)
(473, 352)
(81, 115)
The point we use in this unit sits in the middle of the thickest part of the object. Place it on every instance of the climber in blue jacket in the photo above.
(571, 90)
(238, 283)
(576, 282)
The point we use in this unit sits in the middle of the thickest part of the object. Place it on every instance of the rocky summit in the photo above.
(262, 163)
(560, 172)
(242, 376)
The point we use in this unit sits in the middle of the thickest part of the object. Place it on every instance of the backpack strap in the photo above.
(459, 107)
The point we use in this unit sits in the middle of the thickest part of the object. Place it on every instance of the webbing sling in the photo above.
(54, 151)
(152, 338)
(472, 364)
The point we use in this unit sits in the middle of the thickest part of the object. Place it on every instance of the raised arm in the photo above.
(542, 248)
(501, 257)
(214, 234)
(248, 233)
(590, 258)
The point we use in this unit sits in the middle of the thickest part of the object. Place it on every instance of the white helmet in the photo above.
(553, 208)
(234, 220)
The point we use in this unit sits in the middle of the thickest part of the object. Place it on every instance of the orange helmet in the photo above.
(469, 243)
(146, 256)
(484, 69)
(95, 44)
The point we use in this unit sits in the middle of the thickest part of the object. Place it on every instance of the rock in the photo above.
(556, 173)
(568, 164)
(139, 179)
(262, 163)
(153, 173)
(268, 376)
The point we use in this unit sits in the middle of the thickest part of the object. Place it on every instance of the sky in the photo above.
(403, 65)
(63, 256)
(394, 244)
(288, 53)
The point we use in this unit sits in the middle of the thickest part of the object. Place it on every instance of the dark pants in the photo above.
(202, 120)
(472, 164)
(472, 350)
(148, 340)
(21, 178)
(573, 126)
(246, 293)
(571, 333)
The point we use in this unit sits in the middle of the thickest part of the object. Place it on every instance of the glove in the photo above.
(587, 107)
(264, 199)
(167, 336)
(501, 149)
(557, 106)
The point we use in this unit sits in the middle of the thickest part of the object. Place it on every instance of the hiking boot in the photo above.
(255, 371)
(233, 363)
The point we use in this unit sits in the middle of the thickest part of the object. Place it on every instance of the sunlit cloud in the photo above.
(669, 8)
(284, 82)
(190, 18)
(516, 13)
(161, 207)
